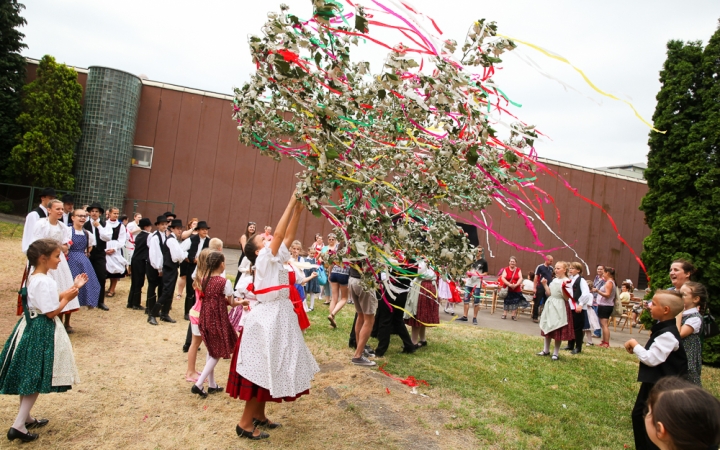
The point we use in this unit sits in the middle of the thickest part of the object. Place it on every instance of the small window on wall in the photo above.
(142, 156)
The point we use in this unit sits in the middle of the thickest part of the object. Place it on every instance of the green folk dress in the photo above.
(37, 356)
(693, 349)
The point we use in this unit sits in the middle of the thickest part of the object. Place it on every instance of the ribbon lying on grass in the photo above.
(410, 381)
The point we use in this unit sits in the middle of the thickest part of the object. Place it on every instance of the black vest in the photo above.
(142, 251)
(577, 292)
(194, 244)
(168, 263)
(40, 212)
(116, 232)
(100, 245)
(676, 363)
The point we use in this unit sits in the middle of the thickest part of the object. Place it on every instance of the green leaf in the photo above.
(316, 212)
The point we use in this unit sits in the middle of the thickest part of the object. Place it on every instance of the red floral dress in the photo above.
(215, 328)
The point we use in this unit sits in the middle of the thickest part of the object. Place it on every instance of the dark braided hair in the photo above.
(214, 260)
(698, 290)
(251, 247)
(41, 247)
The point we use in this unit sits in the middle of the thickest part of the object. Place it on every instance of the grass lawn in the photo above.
(487, 389)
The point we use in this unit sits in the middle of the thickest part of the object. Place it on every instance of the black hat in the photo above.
(48, 192)
(67, 198)
(176, 223)
(145, 222)
(95, 205)
(202, 224)
(161, 219)
(170, 213)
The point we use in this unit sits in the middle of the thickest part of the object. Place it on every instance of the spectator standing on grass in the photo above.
(366, 304)
(473, 285)
(250, 230)
(606, 303)
(662, 356)
(338, 281)
(36, 214)
(695, 297)
(598, 283)
(511, 278)
(681, 270)
(542, 272)
(582, 298)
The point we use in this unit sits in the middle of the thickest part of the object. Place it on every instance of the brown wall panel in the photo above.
(165, 139)
(181, 184)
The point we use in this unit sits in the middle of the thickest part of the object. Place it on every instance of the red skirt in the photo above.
(244, 389)
(428, 310)
(566, 333)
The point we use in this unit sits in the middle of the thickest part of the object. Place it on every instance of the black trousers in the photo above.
(578, 325)
(540, 297)
(98, 263)
(137, 281)
(189, 290)
(155, 287)
(391, 322)
(352, 342)
(642, 440)
(169, 280)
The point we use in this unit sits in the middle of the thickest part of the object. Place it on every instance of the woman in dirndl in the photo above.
(511, 278)
(422, 299)
(556, 320)
(271, 361)
(38, 357)
(81, 242)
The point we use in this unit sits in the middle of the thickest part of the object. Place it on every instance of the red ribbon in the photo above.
(251, 288)
(410, 381)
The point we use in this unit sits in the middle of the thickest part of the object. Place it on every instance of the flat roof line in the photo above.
(591, 170)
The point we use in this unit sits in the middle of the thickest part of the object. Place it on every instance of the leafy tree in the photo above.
(50, 124)
(683, 200)
(12, 75)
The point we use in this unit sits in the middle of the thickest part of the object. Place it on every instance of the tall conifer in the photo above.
(12, 75)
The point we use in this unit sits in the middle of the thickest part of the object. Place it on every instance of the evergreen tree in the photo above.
(683, 200)
(50, 124)
(12, 75)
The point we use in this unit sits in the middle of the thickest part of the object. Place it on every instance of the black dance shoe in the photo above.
(196, 390)
(266, 424)
(215, 390)
(103, 306)
(138, 308)
(16, 434)
(151, 320)
(167, 318)
(249, 434)
(37, 423)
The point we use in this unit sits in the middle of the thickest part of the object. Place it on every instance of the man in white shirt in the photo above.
(97, 255)
(193, 246)
(36, 214)
(68, 208)
(173, 255)
(154, 264)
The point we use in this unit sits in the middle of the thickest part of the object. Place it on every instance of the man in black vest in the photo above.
(68, 208)
(193, 246)
(172, 256)
(156, 241)
(138, 263)
(97, 255)
(662, 356)
(36, 214)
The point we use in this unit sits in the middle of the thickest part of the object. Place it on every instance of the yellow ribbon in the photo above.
(587, 80)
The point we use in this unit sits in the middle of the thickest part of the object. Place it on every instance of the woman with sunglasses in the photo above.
(249, 233)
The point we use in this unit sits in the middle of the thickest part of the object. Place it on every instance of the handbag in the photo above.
(322, 276)
(617, 304)
(503, 292)
(709, 326)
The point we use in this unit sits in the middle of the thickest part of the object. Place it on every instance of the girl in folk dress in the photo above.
(427, 311)
(115, 261)
(81, 243)
(695, 297)
(312, 288)
(215, 329)
(444, 293)
(556, 321)
(52, 227)
(271, 361)
(38, 356)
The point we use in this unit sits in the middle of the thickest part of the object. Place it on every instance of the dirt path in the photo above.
(133, 392)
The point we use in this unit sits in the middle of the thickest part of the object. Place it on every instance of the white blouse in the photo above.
(267, 271)
(43, 293)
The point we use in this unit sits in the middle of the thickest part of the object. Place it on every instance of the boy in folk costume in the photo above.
(98, 257)
(154, 265)
(139, 263)
(662, 356)
(36, 214)
(193, 246)
(115, 261)
(172, 257)
(68, 208)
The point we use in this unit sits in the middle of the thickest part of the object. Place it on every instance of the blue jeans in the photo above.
(475, 293)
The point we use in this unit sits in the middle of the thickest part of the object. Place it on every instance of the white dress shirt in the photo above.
(155, 252)
(66, 219)
(187, 243)
(105, 232)
(177, 254)
(658, 351)
(28, 231)
(586, 297)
